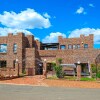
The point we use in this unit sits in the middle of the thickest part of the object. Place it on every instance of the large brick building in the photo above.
(34, 56)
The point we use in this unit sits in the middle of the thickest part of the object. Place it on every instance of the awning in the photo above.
(69, 65)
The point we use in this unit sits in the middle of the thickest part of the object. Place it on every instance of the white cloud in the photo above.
(37, 38)
(87, 31)
(80, 11)
(5, 31)
(27, 19)
(91, 5)
(46, 15)
(53, 37)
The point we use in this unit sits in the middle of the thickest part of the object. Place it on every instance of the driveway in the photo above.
(40, 81)
(24, 92)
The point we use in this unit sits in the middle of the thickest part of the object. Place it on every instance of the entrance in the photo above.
(84, 69)
(39, 69)
(2, 64)
(49, 67)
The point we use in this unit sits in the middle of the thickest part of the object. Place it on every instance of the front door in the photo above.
(40, 69)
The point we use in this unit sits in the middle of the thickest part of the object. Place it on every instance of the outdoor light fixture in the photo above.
(16, 60)
(82, 42)
(40, 64)
(45, 60)
(78, 62)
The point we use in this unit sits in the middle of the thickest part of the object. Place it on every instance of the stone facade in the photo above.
(30, 55)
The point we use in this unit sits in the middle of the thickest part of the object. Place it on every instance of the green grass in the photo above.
(72, 78)
(87, 79)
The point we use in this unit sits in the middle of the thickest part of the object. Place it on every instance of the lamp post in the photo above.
(78, 70)
(18, 67)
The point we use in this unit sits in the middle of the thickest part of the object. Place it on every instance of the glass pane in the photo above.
(3, 48)
(62, 47)
(15, 47)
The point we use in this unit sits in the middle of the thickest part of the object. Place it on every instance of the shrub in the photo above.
(93, 68)
(24, 71)
(59, 60)
(98, 75)
(58, 70)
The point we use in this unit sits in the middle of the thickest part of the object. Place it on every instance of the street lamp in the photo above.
(18, 67)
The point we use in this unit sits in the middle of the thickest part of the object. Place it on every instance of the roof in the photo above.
(49, 44)
(69, 65)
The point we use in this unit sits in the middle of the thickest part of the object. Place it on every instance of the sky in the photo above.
(47, 19)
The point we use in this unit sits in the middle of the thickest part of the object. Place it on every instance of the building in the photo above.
(34, 56)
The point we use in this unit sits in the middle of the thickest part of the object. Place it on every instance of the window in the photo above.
(3, 48)
(74, 46)
(62, 47)
(15, 48)
(69, 46)
(2, 64)
(78, 46)
(14, 63)
(85, 45)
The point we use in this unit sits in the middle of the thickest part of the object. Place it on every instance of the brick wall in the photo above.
(82, 40)
(29, 53)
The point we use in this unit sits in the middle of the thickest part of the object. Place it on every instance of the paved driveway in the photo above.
(22, 92)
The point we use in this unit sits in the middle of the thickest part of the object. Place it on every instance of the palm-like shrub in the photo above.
(58, 68)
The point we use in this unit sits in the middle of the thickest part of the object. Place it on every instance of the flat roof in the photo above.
(69, 65)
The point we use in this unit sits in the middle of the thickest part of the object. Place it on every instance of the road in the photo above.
(22, 92)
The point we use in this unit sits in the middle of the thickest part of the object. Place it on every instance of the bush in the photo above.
(24, 71)
(58, 70)
(93, 68)
(98, 75)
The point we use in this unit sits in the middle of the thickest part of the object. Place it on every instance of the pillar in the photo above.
(44, 69)
(78, 71)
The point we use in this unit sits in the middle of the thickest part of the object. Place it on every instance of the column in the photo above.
(78, 71)
(44, 69)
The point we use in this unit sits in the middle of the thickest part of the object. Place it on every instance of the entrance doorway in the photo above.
(84, 69)
(2, 64)
(49, 67)
(39, 69)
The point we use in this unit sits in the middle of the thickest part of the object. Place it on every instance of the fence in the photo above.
(6, 73)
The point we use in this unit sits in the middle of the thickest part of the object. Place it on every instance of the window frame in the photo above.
(63, 46)
(70, 46)
(3, 44)
(85, 46)
(15, 47)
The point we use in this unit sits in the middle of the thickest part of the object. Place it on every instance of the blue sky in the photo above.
(47, 19)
